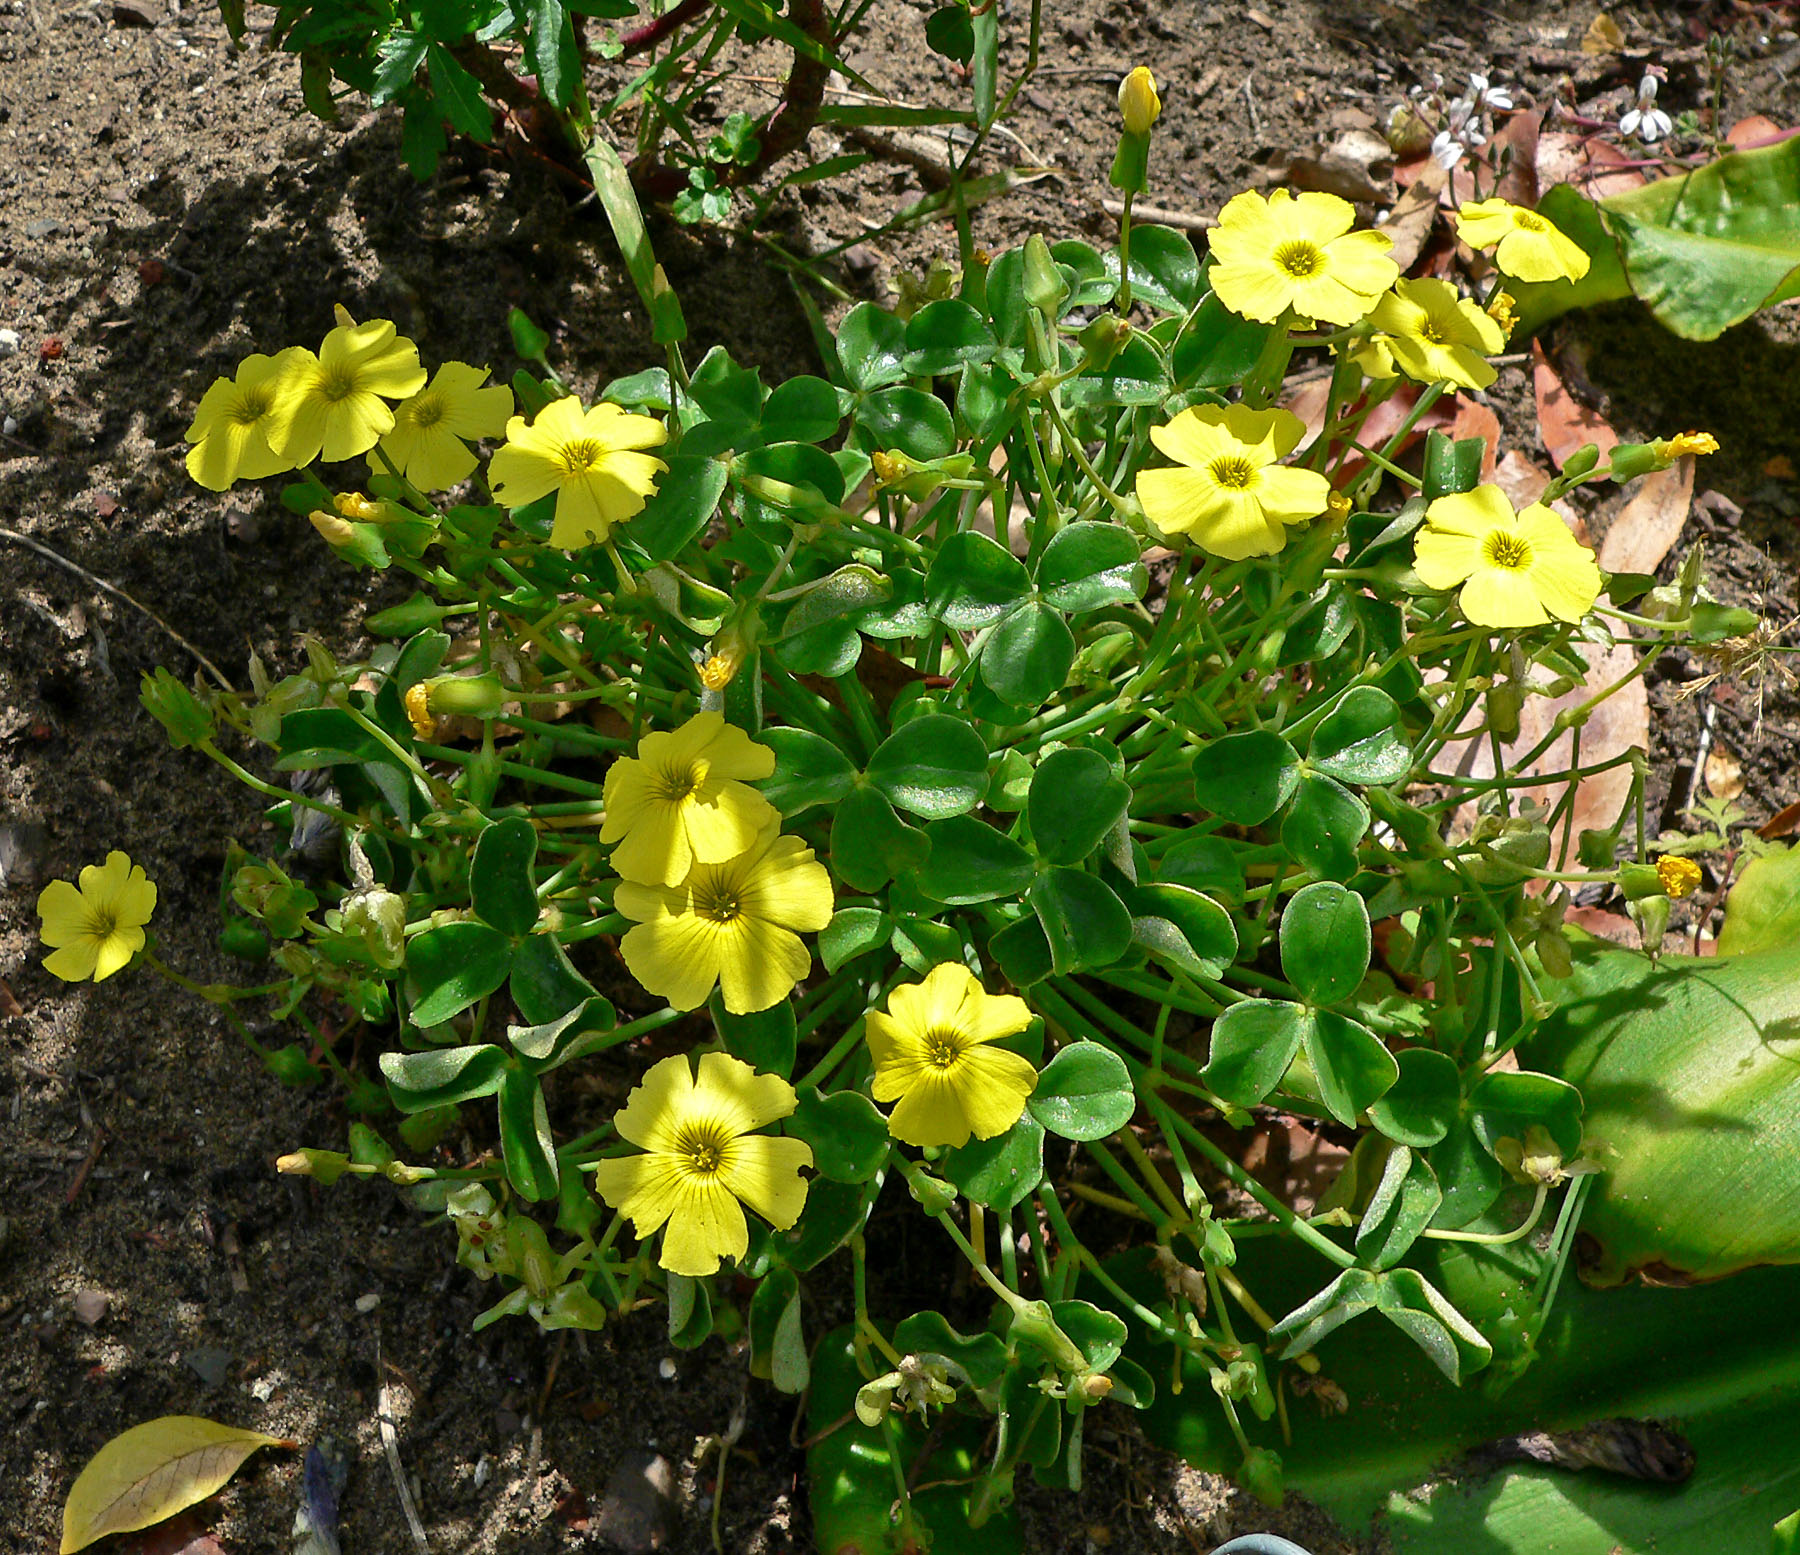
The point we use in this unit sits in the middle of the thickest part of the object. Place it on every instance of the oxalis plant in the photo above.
(989, 775)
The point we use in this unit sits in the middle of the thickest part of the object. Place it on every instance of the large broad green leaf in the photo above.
(1763, 910)
(1703, 250)
(1690, 1069)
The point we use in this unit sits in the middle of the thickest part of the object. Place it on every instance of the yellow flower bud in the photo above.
(1138, 101)
(1500, 310)
(1689, 443)
(353, 504)
(891, 469)
(336, 531)
(1679, 876)
(418, 709)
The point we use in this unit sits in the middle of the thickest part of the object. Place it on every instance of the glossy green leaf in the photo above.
(1323, 825)
(1084, 1093)
(1165, 271)
(777, 1348)
(1022, 950)
(681, 507)
(834, 1212)
(1360, 740)
(1325, 942)
(1027, 657)
(1245, 778)
(1218, 349)
(980, 1356)
(690, 1311)
(870, 844)
(1094, 284)
(1088, 565)
(1354, 1069)
(451, 967)
(922, 943)
(1074, 802)
(852, 932)
(501, 889)
(809, 770)
(1407, 1300)
(1085, 923)
(526, 1147)
(1183, 927)
(1763, 910)
(325, 737)
(849, 1138)
(443, 1076)
(972, 862)
(999, 1172)
(731, 396)
(942, 336)
(1204, 862)
(1420, 1106)
(765, 1040)
(1507, 1104)
(974, 582)
(1405, 1200)
(800, 410)
(819, 636)
(1451, 464)
(871, 343)
(1253, 1043)
(908, 421)
(935, 767)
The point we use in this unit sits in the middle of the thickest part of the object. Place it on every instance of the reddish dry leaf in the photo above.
(1473, 419)
(9, 1003)
(1648, 526)
(1782, 823)
(1757, 130)
(1519, 183)
(1614, 926)
(1564, 423)
(1308, 403)
(1596, 168)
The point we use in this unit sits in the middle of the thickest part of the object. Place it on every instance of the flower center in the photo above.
(717, 902)
(427, 410)
(1510, 552)
(1529, 221)
(943, 1048)
(103, 922)
(1433, 333)
(677, 784)
(252, 406)
(581, 455)
(1233, 470)
(337, 384)
(701, 1147)
(1300, 259)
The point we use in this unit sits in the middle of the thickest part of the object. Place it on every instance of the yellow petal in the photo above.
(759, 964)
(788, 886)
(655, 850)
(1236, 527)
(520, 474)
(75, 962)
(1290, 496)
(658, 1105)
(1444, 558)
(1176, 500)
(732, 1095)
(1253, 288)
(64, 911)
(707, 1224)
(1196, 436)
(1501, 597)
(618, 428)
(765, 1174)
(355, 425)
(725, 819)
(648, 902)
(734, 754)
(114, 953)
(1563, 571)
(992, 1084)
(675, 958)
(930, 1113)
(580, 517)
(641, 1187)
(1471, 513)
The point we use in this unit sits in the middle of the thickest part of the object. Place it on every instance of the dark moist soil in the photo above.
(165, 208)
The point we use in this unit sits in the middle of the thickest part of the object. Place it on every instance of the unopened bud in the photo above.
(326, 1165)
(335, 530)
(1139, 102)
(353, 504)
(1045, 287)
(470, 696)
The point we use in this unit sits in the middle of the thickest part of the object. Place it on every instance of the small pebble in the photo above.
(666, 1369)
(637, 1512)
(9, 425)
(367, 1304)
(42, 229)
(9, 341)
(90, 1306)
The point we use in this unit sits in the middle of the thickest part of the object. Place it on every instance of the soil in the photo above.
(166, 207)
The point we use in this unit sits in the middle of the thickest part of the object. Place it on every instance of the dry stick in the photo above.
(1161, 216)
(118, 593)
(93, 1155)
(390, 1441)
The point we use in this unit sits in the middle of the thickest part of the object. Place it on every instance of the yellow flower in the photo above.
(1679, 876)
(1502, 309)
(335, 403)
(1139, 102)
(230, 433)
(589, 458)
(432, 430)
(1514, 569)
(680, 800)
(933, 1055)
(1683, 444)
(1229, 492)
(1280, 253)
(417, 703)
(353, 504)
(701, 1157)
(1435, 336)
(96, 930)
(737, 924)
(1531, 247)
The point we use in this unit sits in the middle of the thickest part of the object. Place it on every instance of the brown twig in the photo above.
(81, 1174)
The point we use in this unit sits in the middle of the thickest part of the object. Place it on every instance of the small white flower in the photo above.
(1447, 150)
(1483, 95)
(1645, 120)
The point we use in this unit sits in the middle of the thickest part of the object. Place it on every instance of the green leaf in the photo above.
(801, 410)
(1027, 657)
(1407, 1300)
(849, 1138)
(809, 770)
(1088, 565)
(1253, 1043)
(1763, 910)
(1084, 1093)
(973, 582)
(980, 1356)
(870, 844)
(1204, 863)
(501, 889)
(853, 932)
(325, 737)
(1359, 740)
(999, 1172)
(1323, 826)
(525, 1143)
(935, 767)
(550, 51)
(1165, 272)
(1451, 464)
(1419, 1108)
(942, 336)
(1507, 1104)
(1218, 349)
(766, 1041)
(1325, 942)
(1352, 1066)
(1094, 285)
(730, 395)
(1245, 778)
(552, 1043)
(921, 943)
(690, 1312)
(948, 32)
(820, 635)
(1185, 928)
(443, 1076)
(459, 95)
(397, 61)
(451, 967)
(1022, 951)
(972, 862)
(1404, 1202)
(1074, 802)
(1085, 923)
(834, 1212)
(871, 345)
(908, 421)
(681, 507)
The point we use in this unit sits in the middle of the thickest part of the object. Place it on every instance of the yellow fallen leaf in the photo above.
(151, 1472)
(1603, 36)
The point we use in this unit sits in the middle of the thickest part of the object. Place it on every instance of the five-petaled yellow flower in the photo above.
(429, 443)
(336, 403)
(1270, 255)
(1531, 247)
(96, 930)
(701, 1157)
(934, 1054)
(1514, 569)
(681, 800)
(592, 460)
(1435, 336)
(230, 433)
(736, 924)
(1229, 491)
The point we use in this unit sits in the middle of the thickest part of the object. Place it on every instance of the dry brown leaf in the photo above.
(1604, 36)
(1782, 823)
(1518, 142)
(1648, 526)
(1757, 130)
(1473, 419)
(1596, 167)
(1410, 222)
(1724, 774)
(1564, 423)
(151, 1472)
